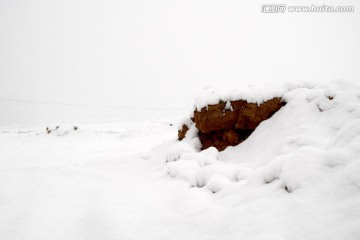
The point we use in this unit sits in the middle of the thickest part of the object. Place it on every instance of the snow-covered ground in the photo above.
(296, 177)
(93, 184)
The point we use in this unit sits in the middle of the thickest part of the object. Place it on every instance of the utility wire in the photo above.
(86, 105)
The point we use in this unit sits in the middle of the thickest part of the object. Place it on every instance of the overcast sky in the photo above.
(161, 53)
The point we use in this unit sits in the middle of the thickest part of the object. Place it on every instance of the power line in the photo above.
(86, 105)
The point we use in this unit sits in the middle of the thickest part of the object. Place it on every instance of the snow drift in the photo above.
(304, 161)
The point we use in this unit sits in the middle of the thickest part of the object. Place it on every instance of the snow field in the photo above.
(296, 177)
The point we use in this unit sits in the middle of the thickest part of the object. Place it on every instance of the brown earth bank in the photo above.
(222, 125)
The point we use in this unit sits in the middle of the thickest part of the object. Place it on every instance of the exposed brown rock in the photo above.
(243, 116)
(220, 127)
(182, 132)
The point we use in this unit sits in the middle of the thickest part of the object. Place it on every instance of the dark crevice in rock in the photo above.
(221, 139)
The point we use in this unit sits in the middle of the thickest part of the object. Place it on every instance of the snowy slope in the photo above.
(296, 177)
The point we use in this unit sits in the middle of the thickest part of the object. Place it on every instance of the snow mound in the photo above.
(294, 147)
(217, 182)
(251, 93)
(307, 155)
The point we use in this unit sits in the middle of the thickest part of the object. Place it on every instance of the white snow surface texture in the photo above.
(296, 177)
